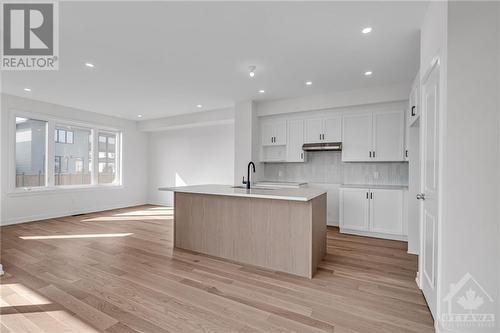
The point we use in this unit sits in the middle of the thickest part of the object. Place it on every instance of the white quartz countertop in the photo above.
(375, 187)
(294, 194)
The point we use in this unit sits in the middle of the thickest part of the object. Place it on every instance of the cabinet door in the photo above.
(354, 209)
(386, 211)
(332, 129)
(388, 136)
(357, 137)
(279, 129)
(294, 152)
(267, 134)
(314, 130)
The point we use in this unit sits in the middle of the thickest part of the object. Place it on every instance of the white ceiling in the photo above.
(163, 58)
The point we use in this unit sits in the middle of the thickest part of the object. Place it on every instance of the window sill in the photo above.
(61, 189)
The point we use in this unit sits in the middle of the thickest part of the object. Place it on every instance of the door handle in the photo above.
(413, 111)
(367, 195)
(421, 196)
(374, 153)
(370, 153)
(301, 156)
(371, 195)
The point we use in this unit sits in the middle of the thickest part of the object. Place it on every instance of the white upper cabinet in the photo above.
(357, 137)
(388, 136)
(294, 152)
(324, 129)
(374, 136)
(332, 129)
(314, 130)
(273, 133)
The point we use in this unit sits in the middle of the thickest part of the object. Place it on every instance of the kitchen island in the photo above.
(279, 229)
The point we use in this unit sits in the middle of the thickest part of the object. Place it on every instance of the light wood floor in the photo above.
(116, 272)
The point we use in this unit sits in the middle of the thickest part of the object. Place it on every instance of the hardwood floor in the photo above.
(116, 272)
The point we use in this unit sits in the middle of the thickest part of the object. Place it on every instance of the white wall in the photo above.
(470, 226)
(27, 207)
(190, 156)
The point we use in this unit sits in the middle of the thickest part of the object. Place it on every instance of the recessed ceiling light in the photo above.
(262, 91)
(88, 64)
(367, 30)
(368, 73)
(251, 71)
(139, 116)
(27, 89)
(199, 106)
(308, 83)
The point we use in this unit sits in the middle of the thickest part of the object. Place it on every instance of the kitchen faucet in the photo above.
(247, 182)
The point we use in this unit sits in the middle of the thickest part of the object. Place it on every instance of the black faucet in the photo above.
(247, 182)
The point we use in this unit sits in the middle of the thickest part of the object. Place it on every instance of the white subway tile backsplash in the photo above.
(328, 168)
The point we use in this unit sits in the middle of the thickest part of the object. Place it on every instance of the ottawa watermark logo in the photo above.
(469, 308)
(30, 36)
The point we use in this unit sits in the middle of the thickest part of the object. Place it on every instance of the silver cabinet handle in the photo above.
(421, 196)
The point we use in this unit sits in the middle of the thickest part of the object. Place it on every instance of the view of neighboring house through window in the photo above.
(72, 163)
(30, 152)
(107, 157)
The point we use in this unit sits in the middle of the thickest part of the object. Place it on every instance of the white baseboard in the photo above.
(374, 234)
(53, 215)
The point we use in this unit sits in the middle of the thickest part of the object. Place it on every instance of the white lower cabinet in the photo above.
(372, 212)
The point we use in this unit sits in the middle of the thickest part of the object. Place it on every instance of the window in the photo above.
(30, 152)
(107, 157)
(82, 155)
(63, 136)
(72, 164)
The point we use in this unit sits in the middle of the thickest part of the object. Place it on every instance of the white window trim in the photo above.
(49, 155)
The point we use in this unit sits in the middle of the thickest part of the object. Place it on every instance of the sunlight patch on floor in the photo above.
(76, 236)
(127, 218)
(164, 212)
(16, 294)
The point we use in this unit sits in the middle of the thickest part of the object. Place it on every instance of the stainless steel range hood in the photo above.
(326, 146)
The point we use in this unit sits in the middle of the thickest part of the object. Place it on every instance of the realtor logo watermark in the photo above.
(30, 36)
(468, 307)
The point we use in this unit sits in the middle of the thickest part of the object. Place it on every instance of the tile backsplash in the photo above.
(328, 168)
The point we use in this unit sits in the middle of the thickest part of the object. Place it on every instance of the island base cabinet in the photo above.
(372, 212)
(280, 235)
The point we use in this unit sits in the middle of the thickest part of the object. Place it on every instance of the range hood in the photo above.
(325, 146)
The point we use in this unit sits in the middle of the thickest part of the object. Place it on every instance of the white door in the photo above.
(354, 205)
(294, 152)
(332, 129)
(267, 134)
(314, 130)
(429, 187)
(388, 136)
(386, 211)
(357, 137)
(280, 132)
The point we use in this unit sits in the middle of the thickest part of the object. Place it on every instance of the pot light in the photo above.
(199, 106)
(367, 30)
(88, 64)
(262, 91)
(368, 73)
(139, 116)
(27, 89)
(251, 71)
(308, 83)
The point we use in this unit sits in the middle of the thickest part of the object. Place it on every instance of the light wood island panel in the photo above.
(282, 235)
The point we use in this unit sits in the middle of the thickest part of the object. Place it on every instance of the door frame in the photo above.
(436, 64)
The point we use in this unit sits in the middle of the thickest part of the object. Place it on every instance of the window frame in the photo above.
(52, 121)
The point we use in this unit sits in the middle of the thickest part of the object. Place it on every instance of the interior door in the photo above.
(280, 132)
(354, 209)
(386, 211)
(357, 137)
(294, 152)
(314, 130)
(430, 187)
(333, 129)
(388, 136)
